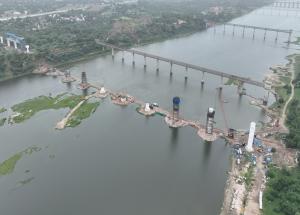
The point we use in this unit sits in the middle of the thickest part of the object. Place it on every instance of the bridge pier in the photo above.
(241, 89)
(276, 39)
(266, 99)
(233, 30)
(186, 73)
(221, 85)
(157, 65)
(253, 33)
(202, 81)
(243, 31)
(145, 62)
(265, 34)
(133, 62)
(171, 69)
(123, 59)
(290, 37)
(113, 53)
(224, 29)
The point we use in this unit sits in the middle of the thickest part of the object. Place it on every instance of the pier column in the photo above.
(186, 73)
(266, 99)
(224, 28)
(214, 29)
(210, 121)
(113, 52)
(233, 30)
(83, 78)
(253, 33)
(243, 31)
(123, 59)
(290, 36)
(15, 45)
(157, 65)
(171, 68)
(265, 34)
(276, 38)
(241, 89)
(145, 62)
(202, 81)
(133, 62)
(221, 85)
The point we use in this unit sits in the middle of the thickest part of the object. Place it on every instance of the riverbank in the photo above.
(282, 156)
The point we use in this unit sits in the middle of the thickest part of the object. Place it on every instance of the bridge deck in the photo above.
(186, 65)
(260, 28)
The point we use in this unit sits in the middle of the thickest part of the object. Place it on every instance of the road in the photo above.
(40, 14)
(283, 116)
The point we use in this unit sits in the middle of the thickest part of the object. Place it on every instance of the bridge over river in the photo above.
(241, 80)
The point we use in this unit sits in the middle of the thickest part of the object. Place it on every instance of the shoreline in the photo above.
(251, 206)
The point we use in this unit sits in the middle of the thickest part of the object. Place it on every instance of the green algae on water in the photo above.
(8, 166)
(83, 112)
(28, 108)
(2, 121)
(2, 110)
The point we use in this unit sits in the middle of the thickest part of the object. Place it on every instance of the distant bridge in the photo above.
(187, 66)
(287, 4)
(265, 29)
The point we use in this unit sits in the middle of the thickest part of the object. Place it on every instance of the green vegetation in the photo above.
(2, 121)
(26, 181)
(293, 116)
(2, 110)
(83, 112)
(232, 82)
(248, 177)
(71, 36)
(297, 42)
(8, 166)
(13, 64)
(282, 195)
(30, 107)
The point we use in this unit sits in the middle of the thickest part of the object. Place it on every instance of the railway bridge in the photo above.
(241, 80)
(286, 4)
(254, 28)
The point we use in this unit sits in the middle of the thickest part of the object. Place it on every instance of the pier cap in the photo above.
(211, 112)
(176, 100)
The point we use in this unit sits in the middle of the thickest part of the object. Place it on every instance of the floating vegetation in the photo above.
(8, 166)
(26, 181)
(2, 110)
(32, 149)
(27, 109)
(83, 112)
(232, 82)
(2, 121)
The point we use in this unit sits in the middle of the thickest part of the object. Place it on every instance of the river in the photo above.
(118, 161)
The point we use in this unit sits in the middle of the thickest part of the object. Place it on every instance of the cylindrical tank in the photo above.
(210, 120)
(176, 104)
(83, 78)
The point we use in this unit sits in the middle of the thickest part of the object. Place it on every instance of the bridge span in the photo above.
(240, 79)
(265, 29)
(287, 4)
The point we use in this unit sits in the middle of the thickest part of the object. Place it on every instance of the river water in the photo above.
(118, 161)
